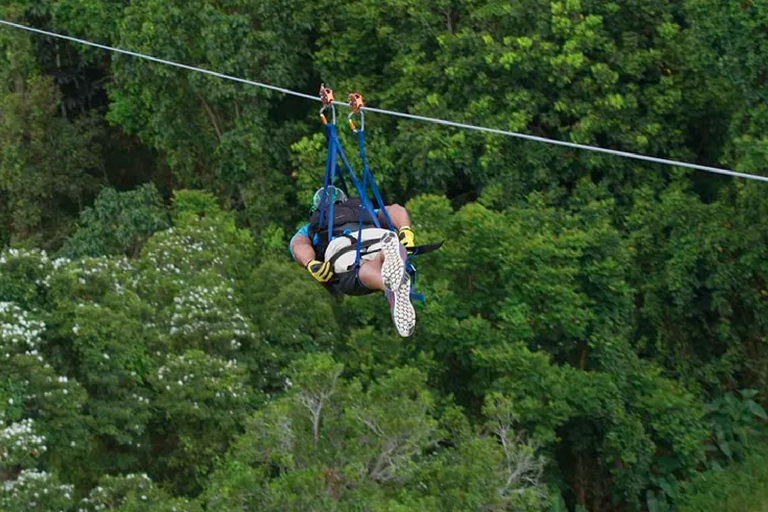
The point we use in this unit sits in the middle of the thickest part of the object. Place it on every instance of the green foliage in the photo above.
(34, 491)
(734, 421)
(121, 367)
(213, 133)
(203, 402)
(48, 164)
(118, 223)
(20, 445)
(740, 487)
(586, 323)
(134, 493)
(331, 444)
(25, 276)
(188, 203)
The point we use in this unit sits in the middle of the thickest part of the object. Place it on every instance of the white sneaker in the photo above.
(403, 314)
(395, 256)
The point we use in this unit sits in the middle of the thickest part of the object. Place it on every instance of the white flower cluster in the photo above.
(18, 441)
(62, 387)
(25, 478)
(34, 490)
(142, 400)
(191, 248)
(114, 270)
(18, 331)
(196, 379)
(113, 494)
(211, 314)
(39, 258)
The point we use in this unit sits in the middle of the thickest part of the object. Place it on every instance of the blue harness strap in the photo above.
(366, 173)
(412, 272)
(361, 192)
(409, 268)
(325, 195)
(356, 266)
(329, 161)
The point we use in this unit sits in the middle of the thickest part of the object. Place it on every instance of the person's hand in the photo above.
(320, 270)
(406, 236)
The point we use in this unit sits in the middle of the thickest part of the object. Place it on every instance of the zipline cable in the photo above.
(573, 145)
(625, 154)
(158, 60)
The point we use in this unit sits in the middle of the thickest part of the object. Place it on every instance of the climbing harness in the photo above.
(335, 152)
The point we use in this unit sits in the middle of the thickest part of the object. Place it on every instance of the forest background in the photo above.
(594, 335)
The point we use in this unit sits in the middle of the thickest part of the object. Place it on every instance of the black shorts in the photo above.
(348, 283)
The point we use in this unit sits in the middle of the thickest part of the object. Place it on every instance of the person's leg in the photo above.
(370, 272)
(390, 262)
(348, 283)
(403, 314)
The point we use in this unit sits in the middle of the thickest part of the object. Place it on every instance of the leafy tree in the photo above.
(132, 492)
(118, 223)
(48, 164)
(214, 133)
(330, 444)
(587, 321)
(36, 491)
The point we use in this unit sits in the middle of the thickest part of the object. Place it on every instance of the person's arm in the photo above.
(301, 246)
(397, 214)
(304, 254)
(401, 221)
(302, 250)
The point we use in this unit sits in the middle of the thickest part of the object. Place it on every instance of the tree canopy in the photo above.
(594, 334)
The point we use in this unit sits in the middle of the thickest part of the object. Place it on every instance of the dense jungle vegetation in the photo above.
(595, 334)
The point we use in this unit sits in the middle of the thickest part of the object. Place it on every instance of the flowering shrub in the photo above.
(132, 492)
(20, 445)
(203, 400)
(53, 401)
(19, 332)
(207, 318)
(96, 277)
(112, 365)
(200, 250)
(34, 491)
(195, 386)
(25, 276)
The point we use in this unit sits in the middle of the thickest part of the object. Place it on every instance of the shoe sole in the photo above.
(393, 268)
(403, 314)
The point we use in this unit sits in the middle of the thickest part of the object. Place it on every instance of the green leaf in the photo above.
(652, 502)
(726, 449)
(757, 410)
(669, 489)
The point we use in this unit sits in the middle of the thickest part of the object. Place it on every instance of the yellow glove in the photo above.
(406, 236)
(320, 270)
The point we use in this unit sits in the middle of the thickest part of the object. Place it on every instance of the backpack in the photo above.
(346, 218)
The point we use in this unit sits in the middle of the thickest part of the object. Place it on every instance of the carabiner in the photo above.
(356, 107)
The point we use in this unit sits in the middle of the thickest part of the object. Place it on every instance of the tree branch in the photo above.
(211, 115)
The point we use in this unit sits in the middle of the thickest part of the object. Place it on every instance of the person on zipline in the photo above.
(384, 254)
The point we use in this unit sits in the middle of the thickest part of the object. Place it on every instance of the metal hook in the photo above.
(333, 114)
(352, 123)
(356, 105)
